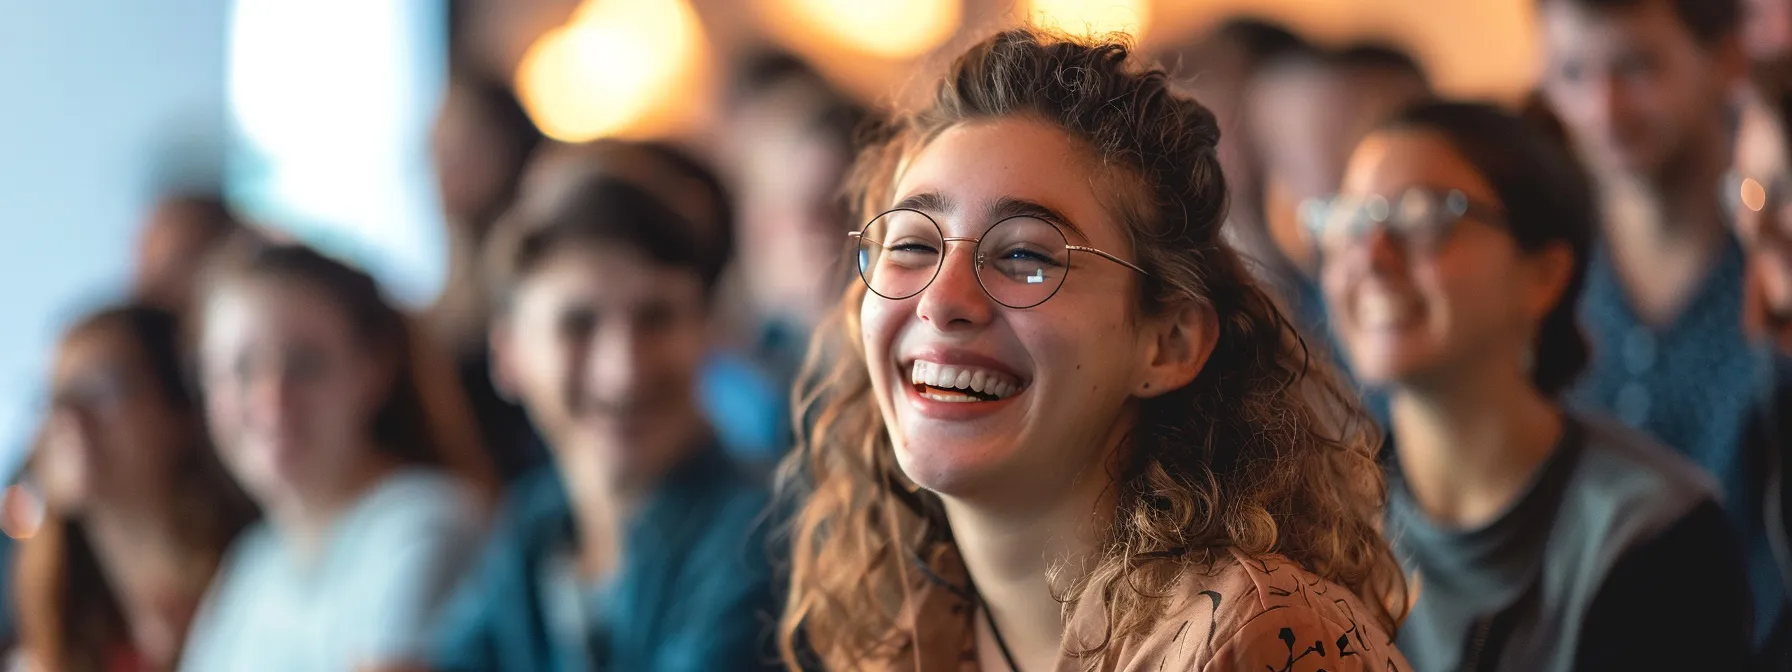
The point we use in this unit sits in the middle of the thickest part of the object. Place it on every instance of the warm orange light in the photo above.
(1754, 196)
(1092, 17)
(890, 30)
(613, 69)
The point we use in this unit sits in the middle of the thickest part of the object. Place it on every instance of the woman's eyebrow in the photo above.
(1003, 208)
(927, 201)
(1009, 206)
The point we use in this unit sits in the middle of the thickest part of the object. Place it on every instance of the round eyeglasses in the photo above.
(1421, 218)
(1020, 262)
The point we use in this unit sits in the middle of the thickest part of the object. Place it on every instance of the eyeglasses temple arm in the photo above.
(1111, 258)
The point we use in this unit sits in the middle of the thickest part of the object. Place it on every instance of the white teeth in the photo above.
(932, 374)
(1377, 310)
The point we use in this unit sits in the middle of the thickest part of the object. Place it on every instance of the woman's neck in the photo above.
(1011, 551)
(1469, 446)
(159, 576)
(305, 518)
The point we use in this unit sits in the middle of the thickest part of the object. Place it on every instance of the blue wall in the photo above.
(103, 104)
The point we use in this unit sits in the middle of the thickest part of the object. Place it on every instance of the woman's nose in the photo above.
(955, 299)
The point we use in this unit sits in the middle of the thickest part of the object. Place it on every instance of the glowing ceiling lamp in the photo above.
(1092, 17)
(889, 30)
(616, 68)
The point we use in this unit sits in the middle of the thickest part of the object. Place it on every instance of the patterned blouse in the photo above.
(1242, 613)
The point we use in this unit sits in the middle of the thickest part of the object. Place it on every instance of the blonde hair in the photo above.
(1265, 451)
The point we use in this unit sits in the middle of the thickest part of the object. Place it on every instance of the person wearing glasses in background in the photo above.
(642, 546)
(1067, 429)
(1540, 539)
(138, 511)
(1761, 195)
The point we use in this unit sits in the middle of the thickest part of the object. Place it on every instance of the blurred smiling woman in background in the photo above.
(1541, 539)
(1071, 432)
(318, 402)
(138, 510)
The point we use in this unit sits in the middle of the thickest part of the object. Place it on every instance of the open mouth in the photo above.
(1378, 310)
(962, 384)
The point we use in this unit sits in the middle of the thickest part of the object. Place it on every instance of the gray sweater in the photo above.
(1616, 555)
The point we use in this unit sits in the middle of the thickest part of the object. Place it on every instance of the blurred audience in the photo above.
(613, 355)
(1644, 89)
(1540, 539)
(786, 139)
(323, 406)
(137, 510)
(640, 547)
(1307, 110)
(1762, 201)
(181, 232)
(1222, 68)
(481, 141)
(1762, 174)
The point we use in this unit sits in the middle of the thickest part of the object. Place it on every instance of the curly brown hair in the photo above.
(1265, 451)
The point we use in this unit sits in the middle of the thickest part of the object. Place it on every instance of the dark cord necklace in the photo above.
(990, 620)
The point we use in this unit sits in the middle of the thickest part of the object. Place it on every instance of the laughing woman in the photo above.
(1542, 538)
(1071, 432)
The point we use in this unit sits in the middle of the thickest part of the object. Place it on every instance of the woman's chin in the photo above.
(952, 469)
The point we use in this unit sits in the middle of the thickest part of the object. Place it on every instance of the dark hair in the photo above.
(831, 112)
(1537, 110)
(1264, 451)
(68, 614)
(1383, 57)
(423, 419)
(1547, 200)
(1771, 83)
(1709, 21)
(1260, 40)
(208, 213)
(497, 112)
(650, 197)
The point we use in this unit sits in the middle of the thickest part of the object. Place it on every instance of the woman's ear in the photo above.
(1181, 343)
(1552, 270)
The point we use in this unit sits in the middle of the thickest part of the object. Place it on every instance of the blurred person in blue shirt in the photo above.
(1645, 90)
(642, 547)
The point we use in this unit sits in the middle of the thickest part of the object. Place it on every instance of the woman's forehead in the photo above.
(968, 171)
(1392, 160)
(258, 309)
